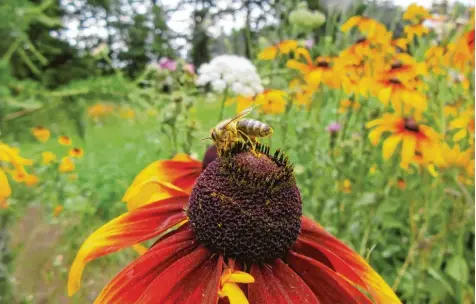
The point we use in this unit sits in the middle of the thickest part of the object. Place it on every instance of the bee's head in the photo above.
(214, 135)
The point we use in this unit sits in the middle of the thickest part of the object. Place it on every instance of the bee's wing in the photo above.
(240, 115)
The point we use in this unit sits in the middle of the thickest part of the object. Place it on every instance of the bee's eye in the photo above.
(213, 136)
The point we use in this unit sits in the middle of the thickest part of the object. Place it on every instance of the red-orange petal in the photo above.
(132, 281)
(327, 285)
(375, 285)
(278, 284)
(192, 279)
(126, 230)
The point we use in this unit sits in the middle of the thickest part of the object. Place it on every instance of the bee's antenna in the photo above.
(206, 138)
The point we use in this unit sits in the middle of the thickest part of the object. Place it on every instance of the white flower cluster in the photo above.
(233, 72)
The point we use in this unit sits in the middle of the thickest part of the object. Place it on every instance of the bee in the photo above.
(236, 129)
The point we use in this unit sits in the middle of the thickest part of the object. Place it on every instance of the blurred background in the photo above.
(116, 78)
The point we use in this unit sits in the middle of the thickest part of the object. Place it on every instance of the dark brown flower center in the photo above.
(396, 65)
(394, 81)
(411, 125)
(323, 64)
(246, 205)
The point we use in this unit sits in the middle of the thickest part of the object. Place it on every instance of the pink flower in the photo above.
(309, 43)
(167, 64)
(333, 127)
(189, 68)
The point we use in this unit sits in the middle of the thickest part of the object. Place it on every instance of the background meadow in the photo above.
(372, 101)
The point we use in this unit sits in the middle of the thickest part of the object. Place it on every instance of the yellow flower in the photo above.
(127, 113)
(19, 174)
(65, 140)
(31, 180)
(346, 186)
(400, 43)
(415, 30)
(434, 59)
(455, 158)
(373, 169)
(48, 157)
(371, 28)
(401, 183)
(76, 152)
(283, 47)
(464, 123)
(11, 155)
(57, 211)
(41, 133)
(416, 13)
(66, 165)
(271, 101)
(417, 139)
(5, 190)
(347, 104)
(99, 110)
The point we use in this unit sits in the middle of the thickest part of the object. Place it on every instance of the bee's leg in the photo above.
(251, 140)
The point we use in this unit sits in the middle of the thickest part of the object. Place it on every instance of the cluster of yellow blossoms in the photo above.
(381, 67)
(13, 164)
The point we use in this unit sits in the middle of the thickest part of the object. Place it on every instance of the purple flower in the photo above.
(333, 127)
(309, 43)
(167, 64)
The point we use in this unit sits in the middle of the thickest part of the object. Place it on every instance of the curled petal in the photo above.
(126, 230)
(376, 286)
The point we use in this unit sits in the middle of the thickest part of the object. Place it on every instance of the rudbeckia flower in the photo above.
(464, 124)
(455, 158)
(66, 165)
(314, 72)
(12, 156)
(348, 104)
(269, 101)
(65, 140)
(31, 180)
(415, 30)
(76, 152)
(41, 133)
(284, 47)
(414, 137)
(434, 59)
(48, 157)
(239, 237)
(371, 28)
(416, 13)
(5, 190)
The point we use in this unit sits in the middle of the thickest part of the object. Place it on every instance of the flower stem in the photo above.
(222, 109)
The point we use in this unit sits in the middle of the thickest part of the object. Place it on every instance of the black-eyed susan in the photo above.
(454, 157)
(415, 30)
(239, 237)
(48, 157)
(31, 180)
(284, 47)
(41, 133)
(65, 140)
(415, 138)
(12, 155)
(315, 71)
(460, 54)
(76, 152)
(270, 101)
(58, 210)
(5, 190)
(100, 110)
(348, 105)
(463, 125)
(416, 13)
(371, 28)
(66, 165)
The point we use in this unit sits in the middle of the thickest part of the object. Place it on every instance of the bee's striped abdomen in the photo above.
(254, 127)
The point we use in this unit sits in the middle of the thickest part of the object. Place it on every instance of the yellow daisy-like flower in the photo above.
(41, 133)
(11, 155)
(455, 158)
(57, 211)
(271, 101)
(5, 190)
(76, 152)
(464, 124)
(348, 104)
(346, 186)
(415, 139)
(415, 30)
(99, 110)
(127, 113)
(31, 180)
(371, 28)
(66, 165)
(416, 13)
(284, 47)
(48, 157)
(434, 60)
(65, 140)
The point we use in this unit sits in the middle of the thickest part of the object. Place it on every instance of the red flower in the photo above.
(238, 237)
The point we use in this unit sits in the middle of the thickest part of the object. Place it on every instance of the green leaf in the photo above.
(440, 278)
(457, 268)
(366, 199)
